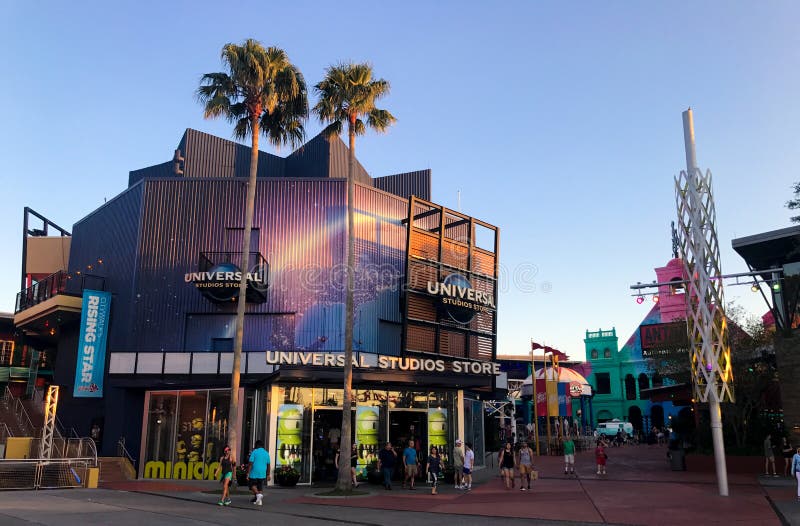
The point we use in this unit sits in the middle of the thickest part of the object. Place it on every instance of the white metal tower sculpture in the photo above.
(705, 314)
(50, 406)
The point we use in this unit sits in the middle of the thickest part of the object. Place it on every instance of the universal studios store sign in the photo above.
(391, 363)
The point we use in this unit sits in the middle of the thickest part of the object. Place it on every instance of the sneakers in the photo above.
(469, 487)
(220, 503)
(226, 502)
(259, 498)
(253, 500)
(522, 489)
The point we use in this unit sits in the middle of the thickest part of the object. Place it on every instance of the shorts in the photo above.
(411, 470)
(227, 476)
(467, 471)
(569, 459)
(257, 483)
(524, 469)
(507, 471)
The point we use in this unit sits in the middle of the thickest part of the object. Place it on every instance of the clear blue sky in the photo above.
(559, 123)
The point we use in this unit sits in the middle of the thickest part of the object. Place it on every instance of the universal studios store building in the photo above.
(425, 313)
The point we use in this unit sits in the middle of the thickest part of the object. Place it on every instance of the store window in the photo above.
(603, 383)
(161, 429)
(185, 433)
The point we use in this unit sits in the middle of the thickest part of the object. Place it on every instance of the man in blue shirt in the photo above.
(410, 463)
(259, 472)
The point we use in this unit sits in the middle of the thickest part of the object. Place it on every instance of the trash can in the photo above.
(677, 459)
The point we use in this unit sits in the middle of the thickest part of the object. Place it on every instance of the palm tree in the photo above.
(261, 92)
(347, 95)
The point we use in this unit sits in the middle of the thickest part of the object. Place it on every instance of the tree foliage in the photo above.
(794, 204)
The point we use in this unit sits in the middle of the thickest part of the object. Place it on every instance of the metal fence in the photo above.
(15, 405)
(68, 448)
(44, 474)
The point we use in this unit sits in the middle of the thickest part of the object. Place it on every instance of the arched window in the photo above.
(606, 353)
(644, 383)
(630, 387)
(657, 382)
(594, 354)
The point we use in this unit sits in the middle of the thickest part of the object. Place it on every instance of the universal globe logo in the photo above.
(459, 299)
(221, 282)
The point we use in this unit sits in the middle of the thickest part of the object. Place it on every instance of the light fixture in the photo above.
(776, 286)
(639, 299)
(655, 299)
(754, 287)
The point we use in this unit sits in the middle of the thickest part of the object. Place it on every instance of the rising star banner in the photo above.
(91, 360)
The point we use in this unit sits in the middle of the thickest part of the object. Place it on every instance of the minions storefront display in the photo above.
(437, 431)
(290, 435)
(367, 421)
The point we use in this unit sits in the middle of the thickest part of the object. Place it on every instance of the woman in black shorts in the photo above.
(507, 464)
(788, 452)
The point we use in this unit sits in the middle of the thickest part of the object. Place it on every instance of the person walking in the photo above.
(386, 460)
(569, 455)
(458, 463)
(600, 456)
(796, 470)
(434, 469)
(226, 466)
(525, 466)
(409, 464)
(507, 464)
(353, 463)
(259, 472)
(769, 456)
(788, 453)
(469, 463)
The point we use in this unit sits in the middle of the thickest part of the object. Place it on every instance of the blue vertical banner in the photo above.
(91, 363)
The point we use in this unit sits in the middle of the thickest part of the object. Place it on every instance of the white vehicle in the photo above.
(611, 428)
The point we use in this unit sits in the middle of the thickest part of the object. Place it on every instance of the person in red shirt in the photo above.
(600, 457)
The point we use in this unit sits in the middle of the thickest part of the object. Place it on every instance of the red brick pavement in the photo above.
(639, 489)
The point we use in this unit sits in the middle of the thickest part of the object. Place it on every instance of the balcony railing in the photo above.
(41, 291)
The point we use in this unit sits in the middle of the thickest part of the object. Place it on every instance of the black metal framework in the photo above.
(27, 232)
(456, 251)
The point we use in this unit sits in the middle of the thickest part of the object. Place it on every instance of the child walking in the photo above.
(600, 457)
(569, 455)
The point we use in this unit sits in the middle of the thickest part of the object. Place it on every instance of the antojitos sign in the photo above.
(221, 282)
(459, 300)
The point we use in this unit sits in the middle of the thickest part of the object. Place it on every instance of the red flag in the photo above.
(535, 346)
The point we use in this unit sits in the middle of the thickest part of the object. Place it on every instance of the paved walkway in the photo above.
(639, 489)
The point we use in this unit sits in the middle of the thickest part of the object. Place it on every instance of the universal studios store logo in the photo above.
(221, 282)
(459, 300)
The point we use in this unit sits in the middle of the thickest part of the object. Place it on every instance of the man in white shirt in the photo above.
(469, 462)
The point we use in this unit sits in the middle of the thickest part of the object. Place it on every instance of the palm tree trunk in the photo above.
(233, 412)
(344, 482)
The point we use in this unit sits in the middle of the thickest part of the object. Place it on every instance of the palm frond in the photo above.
(260, 83)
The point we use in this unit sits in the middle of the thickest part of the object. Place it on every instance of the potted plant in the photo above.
(374, 475)
(449, 475)
(286, 476)
(241, 476)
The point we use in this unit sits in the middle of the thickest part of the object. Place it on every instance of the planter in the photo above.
(375, 477)
(287, 480)
(450, 476)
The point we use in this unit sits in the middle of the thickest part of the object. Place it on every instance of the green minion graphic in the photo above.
(366, 435)
(290, 434)
(437, 428)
